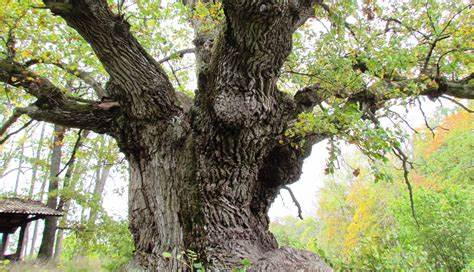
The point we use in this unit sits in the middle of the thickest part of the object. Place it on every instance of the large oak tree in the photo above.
(273, 78)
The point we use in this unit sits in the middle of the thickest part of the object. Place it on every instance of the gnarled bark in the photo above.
(203, 175)
(206, 182)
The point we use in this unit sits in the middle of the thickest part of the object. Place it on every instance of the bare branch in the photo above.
(404, 159)
(2, 141)
(406, 164)
(73, 153)
(177, 54)
(457, 103)
(425, 118)
(10, 121)
(297, 204)
(404, 121)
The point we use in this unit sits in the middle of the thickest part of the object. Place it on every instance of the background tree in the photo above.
(378, 231)
(204, 170)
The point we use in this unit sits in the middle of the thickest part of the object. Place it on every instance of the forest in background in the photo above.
(360, 223)
(365, 225)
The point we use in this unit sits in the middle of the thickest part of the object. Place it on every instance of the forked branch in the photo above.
(52, 104)
(139, 81)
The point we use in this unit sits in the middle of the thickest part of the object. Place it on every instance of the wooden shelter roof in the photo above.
(26, 207)
(16, 212)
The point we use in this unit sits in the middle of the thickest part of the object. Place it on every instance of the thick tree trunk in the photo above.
(210, 192)
(205, 182)
(49, 233)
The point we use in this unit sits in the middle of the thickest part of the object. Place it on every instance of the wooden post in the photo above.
(20, 242)
(3, 247)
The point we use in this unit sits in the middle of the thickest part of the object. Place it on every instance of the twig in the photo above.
(179, 54)
(430, 52)
(16, 114)
(403, 158)
(405, 164)
(297, 204)
(174, 74)
(454, 16)
(390, 19)
(73, 153)
(346, 24)
(16, 131)
(438, 63)
(404, 121)
(457, 103)
(425, 118)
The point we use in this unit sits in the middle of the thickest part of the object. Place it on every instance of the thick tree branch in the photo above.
(53, 105)
(308, 97)
(75, 115)
(284, 163)
(139, 81)
(81, 74)
(17, 75)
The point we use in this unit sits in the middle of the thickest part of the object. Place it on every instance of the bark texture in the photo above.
(203, 172)
(209, 179)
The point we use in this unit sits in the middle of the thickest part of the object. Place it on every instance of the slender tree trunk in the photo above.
(6, 158)
(4, 245)
(20, 165)
(41, 193)
(36, 162)
(65, 201)
(101, 177)
(32, 185)
(49, 232)
(64, 207)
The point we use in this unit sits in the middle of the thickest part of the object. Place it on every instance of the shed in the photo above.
(15, 213)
